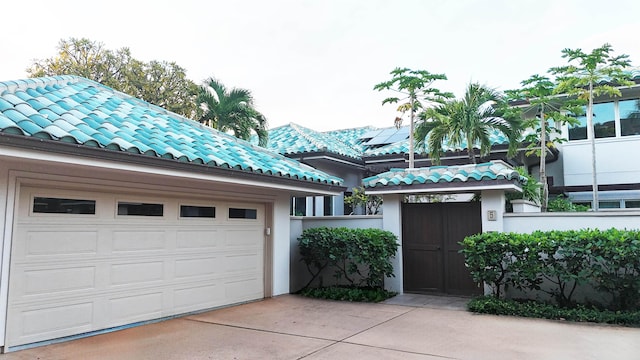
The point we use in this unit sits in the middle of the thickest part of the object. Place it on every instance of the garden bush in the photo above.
(492, 305)
(361, 257)
(558, 262)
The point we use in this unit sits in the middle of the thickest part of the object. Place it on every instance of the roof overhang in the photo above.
(492, 175)
(21, 147)
(325, 156)
(448, 188)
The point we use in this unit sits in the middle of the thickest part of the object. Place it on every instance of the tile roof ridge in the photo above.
(32, 83)
(309, 138)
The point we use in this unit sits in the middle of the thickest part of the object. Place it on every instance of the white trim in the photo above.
(11, 196)
(145, 169)
(324, 157)
(445, 190)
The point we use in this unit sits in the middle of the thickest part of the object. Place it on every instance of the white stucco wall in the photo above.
(614, 161)
(492, 202)
(280, 235)
(392, 221)
(529, 222)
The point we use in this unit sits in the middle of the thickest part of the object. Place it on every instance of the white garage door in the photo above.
(86, 261)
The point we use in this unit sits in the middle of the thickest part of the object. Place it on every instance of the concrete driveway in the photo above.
(292, 327)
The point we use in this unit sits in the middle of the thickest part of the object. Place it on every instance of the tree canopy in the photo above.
(231, 110)
(587, 75)
(415, 88)
(468, 121)
(161, 83)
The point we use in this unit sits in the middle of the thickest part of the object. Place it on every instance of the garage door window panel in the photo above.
(52, 205)
(193, 211)
(140, 209)
(243, 213)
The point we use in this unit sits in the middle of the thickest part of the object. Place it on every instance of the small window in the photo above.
(237, 213)
(604, 120)
(197, 211)
(299, 207)
(140, 209)
(632, 204)
(609, 204)
(63, 206)
(328, 205)
(629, 117)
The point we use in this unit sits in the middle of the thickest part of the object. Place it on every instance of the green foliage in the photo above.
(358, 294)
(563, 204)
(492, 305)
(371, 203)
(161, 83)
(359, 256)
(415, 85)
(467, 122)
(585, 74)
(231, 110)
(530, 189)
(607, 260)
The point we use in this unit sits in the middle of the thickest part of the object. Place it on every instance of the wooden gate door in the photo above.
(430, 236)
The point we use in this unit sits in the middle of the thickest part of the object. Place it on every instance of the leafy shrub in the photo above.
(359, 294)
(359, 256)
(609, 260)
(491, 305)
(562, 204)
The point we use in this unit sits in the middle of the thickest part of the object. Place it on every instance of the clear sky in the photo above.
(315, 62)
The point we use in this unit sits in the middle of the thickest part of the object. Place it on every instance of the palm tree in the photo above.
(468, 121)
(231, 110)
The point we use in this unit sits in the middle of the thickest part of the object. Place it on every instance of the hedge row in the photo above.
(558, 262)
(362, 257)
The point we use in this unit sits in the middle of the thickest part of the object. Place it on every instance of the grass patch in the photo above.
(342, 293)
(532, 309)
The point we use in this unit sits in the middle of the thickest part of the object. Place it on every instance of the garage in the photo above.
(115, 212)
(88, 261)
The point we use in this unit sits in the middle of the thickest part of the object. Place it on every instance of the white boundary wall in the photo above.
(530, 222)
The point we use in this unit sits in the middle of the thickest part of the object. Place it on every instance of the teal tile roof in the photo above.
(78, 111)
(493, 170)
(296, 139)
(357, 143)
(351, 137)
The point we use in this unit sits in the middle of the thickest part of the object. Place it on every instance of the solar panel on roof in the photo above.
(389, 136)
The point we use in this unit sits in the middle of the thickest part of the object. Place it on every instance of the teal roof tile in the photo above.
(493, 170)
(296, 139)
(77, 110)
(356, 143)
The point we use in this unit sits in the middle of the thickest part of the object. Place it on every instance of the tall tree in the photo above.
(468, 121)
(231, 110)
(159, 82)
(414, 85)
(588, 75)
(551, 113)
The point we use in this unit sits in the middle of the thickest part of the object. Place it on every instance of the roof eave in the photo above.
(447, 187)
(51, 146)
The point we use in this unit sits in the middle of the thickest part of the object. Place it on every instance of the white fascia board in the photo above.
(34, 155)
(324, 157)
(443, 190)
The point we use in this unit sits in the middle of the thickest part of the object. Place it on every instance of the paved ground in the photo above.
(406, 327)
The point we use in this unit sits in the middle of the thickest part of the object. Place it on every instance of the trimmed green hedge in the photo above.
(357, 294)
(607, 260)
(362, 257)
(491, 305)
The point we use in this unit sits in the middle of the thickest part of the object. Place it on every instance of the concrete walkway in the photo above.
(408, 327)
